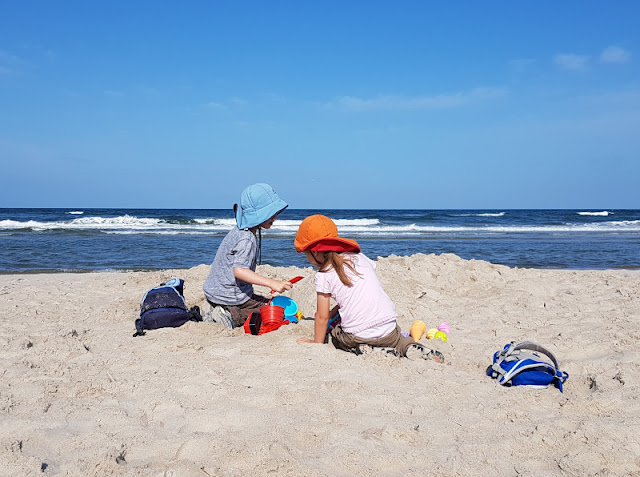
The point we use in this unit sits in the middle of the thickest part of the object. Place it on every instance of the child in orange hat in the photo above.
(367, 315)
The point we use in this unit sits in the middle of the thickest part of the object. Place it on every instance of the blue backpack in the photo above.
(164, 306)
(526, 364)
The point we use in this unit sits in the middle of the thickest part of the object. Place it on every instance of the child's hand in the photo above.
(280, 286)
(304, 340)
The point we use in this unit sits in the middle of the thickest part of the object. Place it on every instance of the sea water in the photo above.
(34, 240)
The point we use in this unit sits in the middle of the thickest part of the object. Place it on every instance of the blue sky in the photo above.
(337, 104)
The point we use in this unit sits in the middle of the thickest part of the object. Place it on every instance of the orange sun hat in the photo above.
(318, 233)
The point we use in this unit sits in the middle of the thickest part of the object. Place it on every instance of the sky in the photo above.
(337, 104)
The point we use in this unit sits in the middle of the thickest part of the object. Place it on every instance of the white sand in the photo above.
(79, 396)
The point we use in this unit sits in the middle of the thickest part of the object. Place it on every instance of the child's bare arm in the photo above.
(322, 317)
(249, 276)
(321, 321)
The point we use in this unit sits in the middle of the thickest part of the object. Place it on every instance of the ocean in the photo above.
(88, 240)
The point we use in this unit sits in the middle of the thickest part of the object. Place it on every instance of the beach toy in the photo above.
(444, 327)
(405, 334)
(289, 306)
(292, 281)
(417, 329)
(299, 315)
(269, 318)
(272, 314)
(333, 322)
(440, 335)
(431, 333)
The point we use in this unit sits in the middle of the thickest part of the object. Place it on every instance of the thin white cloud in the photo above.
(275, 98)
(571, 61)
(9, 64)
(40, 51)
(521, 64)
(408, 103)
(628, 99)
(255, 124)
(233, 101)
(615, 54)
(71, 93)
(215, 105)
(150, 91)
(8, 57)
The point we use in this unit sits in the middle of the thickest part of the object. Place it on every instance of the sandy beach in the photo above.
(80, 396)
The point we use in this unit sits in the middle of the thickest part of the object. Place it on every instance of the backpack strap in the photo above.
(518, 351)
(177, 283)
(139, 330)
(194, 313)
(529, 345)
(495, 369)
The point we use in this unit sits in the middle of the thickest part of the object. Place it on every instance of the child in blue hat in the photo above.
(229, 286)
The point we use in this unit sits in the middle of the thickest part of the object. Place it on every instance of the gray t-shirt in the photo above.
(238, 249)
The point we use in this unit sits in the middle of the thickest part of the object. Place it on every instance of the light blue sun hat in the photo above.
(258, 203)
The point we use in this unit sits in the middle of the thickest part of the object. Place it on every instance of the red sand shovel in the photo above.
(293, 280)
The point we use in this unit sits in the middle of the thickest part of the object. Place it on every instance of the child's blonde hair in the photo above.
(337, 262)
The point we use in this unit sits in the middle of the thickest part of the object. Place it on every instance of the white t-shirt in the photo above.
(364, 305)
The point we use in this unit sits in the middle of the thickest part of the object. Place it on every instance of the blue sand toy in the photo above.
(333, 322)
(290, 307)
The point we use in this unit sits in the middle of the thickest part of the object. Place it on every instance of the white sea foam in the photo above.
(487, 214)
(413, 229)
(356, 222)
(14, 224)
(113, 222)
(604, 213)
(163, 232)
(361, 225)
(286, 224)
(76, 212)
(212, 221)
(127, 224)
(498, 214)
(623, 223)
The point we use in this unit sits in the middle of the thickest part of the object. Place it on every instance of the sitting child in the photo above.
(229, 286)
(368, 316)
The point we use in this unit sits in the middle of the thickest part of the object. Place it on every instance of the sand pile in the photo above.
(80, 396)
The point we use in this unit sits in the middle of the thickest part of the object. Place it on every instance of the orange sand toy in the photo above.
(417, 329)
